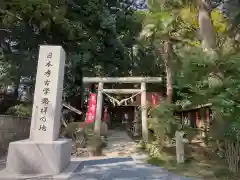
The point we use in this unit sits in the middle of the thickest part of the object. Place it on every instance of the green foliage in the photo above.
(225, 98)
(89, 128)
(71, 129)
(21, 110)
(189, 132)
(79, 132)
(154, 148)
(198, 77)
(164, 122)
(156, 161)
(97, 35)
(206, 79)
(225, 174)
(193, 77)
(95, 145)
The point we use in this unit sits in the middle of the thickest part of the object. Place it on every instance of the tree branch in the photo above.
(6, 30)
(9, 13)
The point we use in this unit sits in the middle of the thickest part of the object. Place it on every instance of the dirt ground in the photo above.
(200, 163)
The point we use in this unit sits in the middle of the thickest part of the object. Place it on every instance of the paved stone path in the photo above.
(122, 169)
(126, 163)
(122, 162)
(119, 144)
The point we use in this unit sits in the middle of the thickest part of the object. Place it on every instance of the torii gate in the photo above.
(101, 90)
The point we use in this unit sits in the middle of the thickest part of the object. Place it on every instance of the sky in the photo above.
(140, 4)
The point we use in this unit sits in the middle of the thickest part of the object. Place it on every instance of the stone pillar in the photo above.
(97, 125)
(144, 112)
(46, 114)
(43, 152)
(179, 146)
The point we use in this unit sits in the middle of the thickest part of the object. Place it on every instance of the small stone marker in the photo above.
(47, 105)
(44, 152)
(179, 146)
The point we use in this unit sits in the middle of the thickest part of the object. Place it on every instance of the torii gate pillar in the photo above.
(144, 112)
(97, 125)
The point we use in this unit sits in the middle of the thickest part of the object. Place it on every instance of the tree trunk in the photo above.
(166, 57)
(207, 31)
(232, 155)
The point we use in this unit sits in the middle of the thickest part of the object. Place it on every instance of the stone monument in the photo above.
(44, 152)
(179, 146)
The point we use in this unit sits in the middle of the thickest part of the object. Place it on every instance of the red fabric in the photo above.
(155, 99)
(91, 112)
(197, 120)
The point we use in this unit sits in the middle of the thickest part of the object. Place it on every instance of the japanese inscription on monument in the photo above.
(48, 94)
(46, 91)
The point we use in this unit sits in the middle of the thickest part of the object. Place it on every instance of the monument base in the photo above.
(35, 157)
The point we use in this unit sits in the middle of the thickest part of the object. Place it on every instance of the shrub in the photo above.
(95, 145)
(20, 110)
(164, 123)
(70, 130)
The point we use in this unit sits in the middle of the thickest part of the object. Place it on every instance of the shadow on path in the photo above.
(121, 169)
